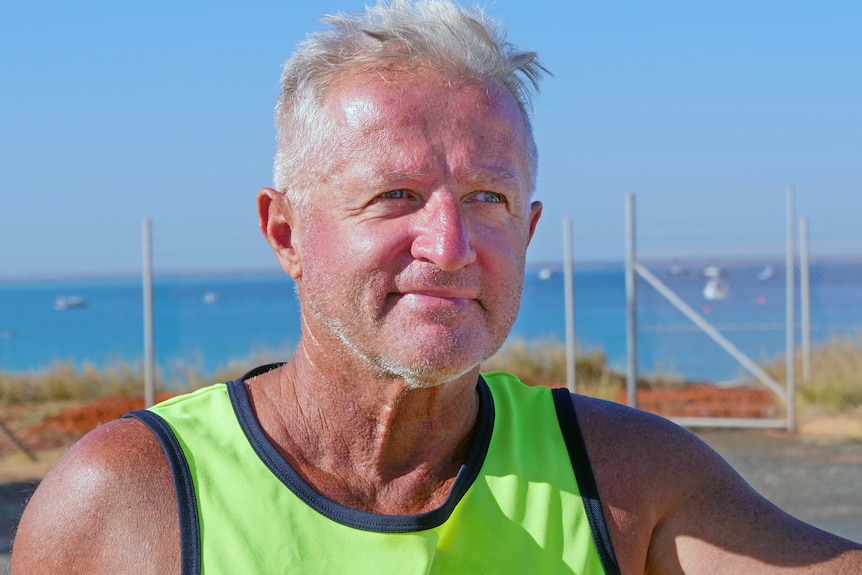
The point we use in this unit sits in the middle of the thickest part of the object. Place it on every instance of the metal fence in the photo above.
(747, 316)
(725, 272)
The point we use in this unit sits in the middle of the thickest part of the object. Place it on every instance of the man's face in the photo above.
(412, 250)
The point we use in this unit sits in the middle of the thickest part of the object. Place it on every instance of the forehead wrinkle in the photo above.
(465, 175)
(485, 158)
(384, 175)
(497, 176)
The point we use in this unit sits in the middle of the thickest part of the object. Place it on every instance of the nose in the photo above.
(442, 236)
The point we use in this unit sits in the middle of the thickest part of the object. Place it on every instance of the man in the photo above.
(403, 208)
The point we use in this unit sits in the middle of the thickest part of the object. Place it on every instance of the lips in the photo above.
(441, 293)
(434, 301)
(435, 289)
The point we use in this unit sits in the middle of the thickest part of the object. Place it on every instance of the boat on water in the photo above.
(545, 273)
(65, 302)
(716, 288)
(766, 273)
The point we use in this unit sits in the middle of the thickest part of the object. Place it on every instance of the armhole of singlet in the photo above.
(584, 475)
(190, 536)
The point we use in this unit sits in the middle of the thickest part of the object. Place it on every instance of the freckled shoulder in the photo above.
(633, 455)
(108, 506)
(673, 505)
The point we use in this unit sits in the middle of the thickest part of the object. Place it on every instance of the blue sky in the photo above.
(111, 112)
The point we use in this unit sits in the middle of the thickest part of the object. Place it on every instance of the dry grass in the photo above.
(64, 381)
(543, 362)
(836, 382)
(836, 375)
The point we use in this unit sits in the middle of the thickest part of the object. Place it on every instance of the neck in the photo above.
(380, 445)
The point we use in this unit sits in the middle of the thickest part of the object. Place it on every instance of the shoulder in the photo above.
(619, 436)
(108, 506)
(673, 505)
(644, 466)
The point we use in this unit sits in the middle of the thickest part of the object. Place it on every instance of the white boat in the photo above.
(713, 272)
(545, 273)
(766, 273)
(716, 289)
(210, 297)
(65, 302)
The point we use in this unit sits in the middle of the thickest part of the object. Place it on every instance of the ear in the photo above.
(279, 225)
(535, 214)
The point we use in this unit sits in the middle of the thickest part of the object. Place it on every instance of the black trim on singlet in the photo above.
(584, 475)
(351, 517)
(190, 534)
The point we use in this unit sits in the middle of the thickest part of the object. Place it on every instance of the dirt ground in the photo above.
(815, 474)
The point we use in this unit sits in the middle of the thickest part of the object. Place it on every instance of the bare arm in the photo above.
(673, 505)
(727, 527)
(107, 506)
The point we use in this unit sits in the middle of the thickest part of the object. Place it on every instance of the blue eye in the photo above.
(394, 194)
(491, 197)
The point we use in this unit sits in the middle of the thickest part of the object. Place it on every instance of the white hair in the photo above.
(464, 42)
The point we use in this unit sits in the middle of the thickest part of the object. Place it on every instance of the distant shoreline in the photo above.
(662, 260)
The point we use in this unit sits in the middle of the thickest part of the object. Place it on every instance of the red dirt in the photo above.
(72, 423)
(64, 428)
(707, 401)
(703, 400)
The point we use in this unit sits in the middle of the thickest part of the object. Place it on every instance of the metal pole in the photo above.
(11, 435)
(631, 305)
(805, 298)
(790, 265)
(708, 329)
(149, 385)
(571, 347)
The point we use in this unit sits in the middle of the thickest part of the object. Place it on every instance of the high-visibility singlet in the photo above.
(524, 501)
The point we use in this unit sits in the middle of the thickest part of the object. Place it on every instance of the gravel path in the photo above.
(13, 496)
(818, 480)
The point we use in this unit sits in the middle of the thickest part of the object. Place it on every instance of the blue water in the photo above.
(257, 316)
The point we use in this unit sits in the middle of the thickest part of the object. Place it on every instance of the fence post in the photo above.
(631, 305)
(571, 347)
(149, 368)
(790, 279)
(17, 442)
(805, 298)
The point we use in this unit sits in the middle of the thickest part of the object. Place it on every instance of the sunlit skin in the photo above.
(412, 252)
(409, 261)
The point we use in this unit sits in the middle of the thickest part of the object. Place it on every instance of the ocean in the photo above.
(206, 321)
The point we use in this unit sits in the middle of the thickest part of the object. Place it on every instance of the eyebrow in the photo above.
(494, 176)
(397, 175)
(468, 175)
